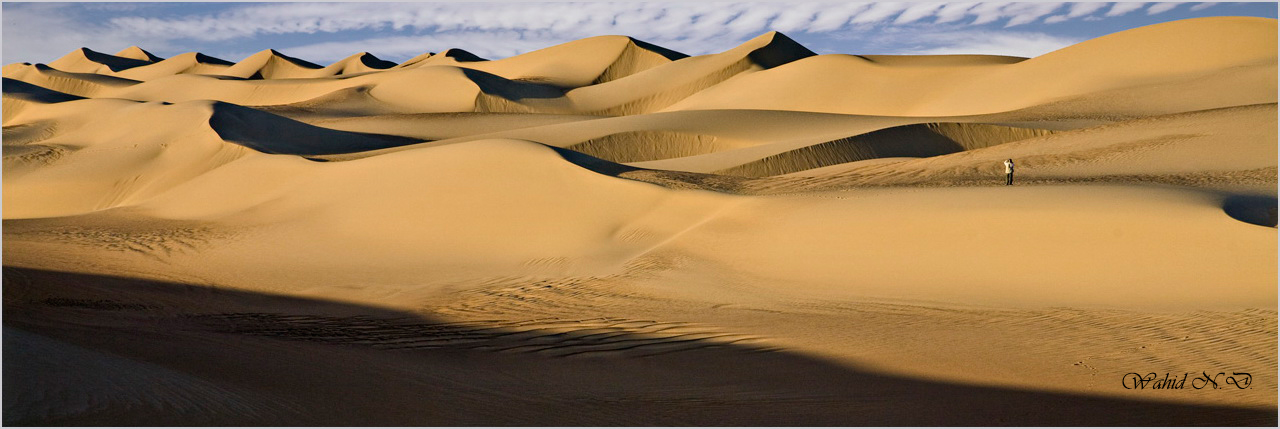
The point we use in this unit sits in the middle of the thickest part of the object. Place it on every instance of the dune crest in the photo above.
(85, 60)
(270, 64)
(188, 63)
(137, 53)
(358, 63)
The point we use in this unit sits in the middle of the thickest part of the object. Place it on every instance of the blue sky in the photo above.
(325, 32)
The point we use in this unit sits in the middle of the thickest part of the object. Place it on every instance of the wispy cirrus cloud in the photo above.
(488, 45)
(1076, 10)
(1119, 9)
(1161, 8)
(952, 12)
(1202, 6)
(330, 31)
(1018, 44)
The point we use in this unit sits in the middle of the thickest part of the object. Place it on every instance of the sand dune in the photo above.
(1170, 53)
(659, 87)
(87, 165)
(18, 94)
(1208, 145)
(609, 232)
(84, 60)
(270, 64)
(188, 63)
(455, 56)
(81, 84)
(575, 64)
(137, 53)
(415, 60)
(358, 63)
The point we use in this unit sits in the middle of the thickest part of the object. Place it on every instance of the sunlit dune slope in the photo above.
(562, 140)
(1178, 54)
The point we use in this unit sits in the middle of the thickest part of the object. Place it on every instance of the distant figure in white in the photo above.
(1008, 172)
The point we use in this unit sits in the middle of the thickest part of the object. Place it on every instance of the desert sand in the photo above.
(608, 232)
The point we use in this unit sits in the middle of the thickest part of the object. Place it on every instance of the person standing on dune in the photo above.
(1008, 172)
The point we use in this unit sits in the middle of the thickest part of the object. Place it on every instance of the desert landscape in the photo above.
(609, 232)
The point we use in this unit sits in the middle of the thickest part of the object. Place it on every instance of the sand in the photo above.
(608, 232)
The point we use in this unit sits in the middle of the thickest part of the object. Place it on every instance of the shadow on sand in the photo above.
(1255, 209)
(99, 350)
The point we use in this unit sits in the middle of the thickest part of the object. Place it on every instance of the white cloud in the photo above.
(916, 12)
(1161, 8)
(797, 18)
(1077, 10)
(1202, 6)
(752, 21)
(836, 17)
(1118, 9)
(1018, 44)
(878, 12)
(1026, 13)
(952, 12)
(43, 32)
(987, 12)
(1016, 13)
(483, 43)
(34, 31)
(1082, 9)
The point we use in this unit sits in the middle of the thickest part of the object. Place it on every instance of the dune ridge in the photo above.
(85, 60)
(358, 63)
(140, 54)
(188, 63)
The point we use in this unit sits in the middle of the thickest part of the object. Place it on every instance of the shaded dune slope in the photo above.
(914, 141)
(461, 56)
(18, 94)
(268, 133)
(80, 84)
(636, 57)
(638, 146)
(24, 91)
(279, 330)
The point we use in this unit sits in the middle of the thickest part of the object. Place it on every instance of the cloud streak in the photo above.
(330, 31)
(1018, 44)
(576, 19)
(1119, 9)
(1077, 10)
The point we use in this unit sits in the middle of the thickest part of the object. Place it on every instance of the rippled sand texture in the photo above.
(607, 232)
